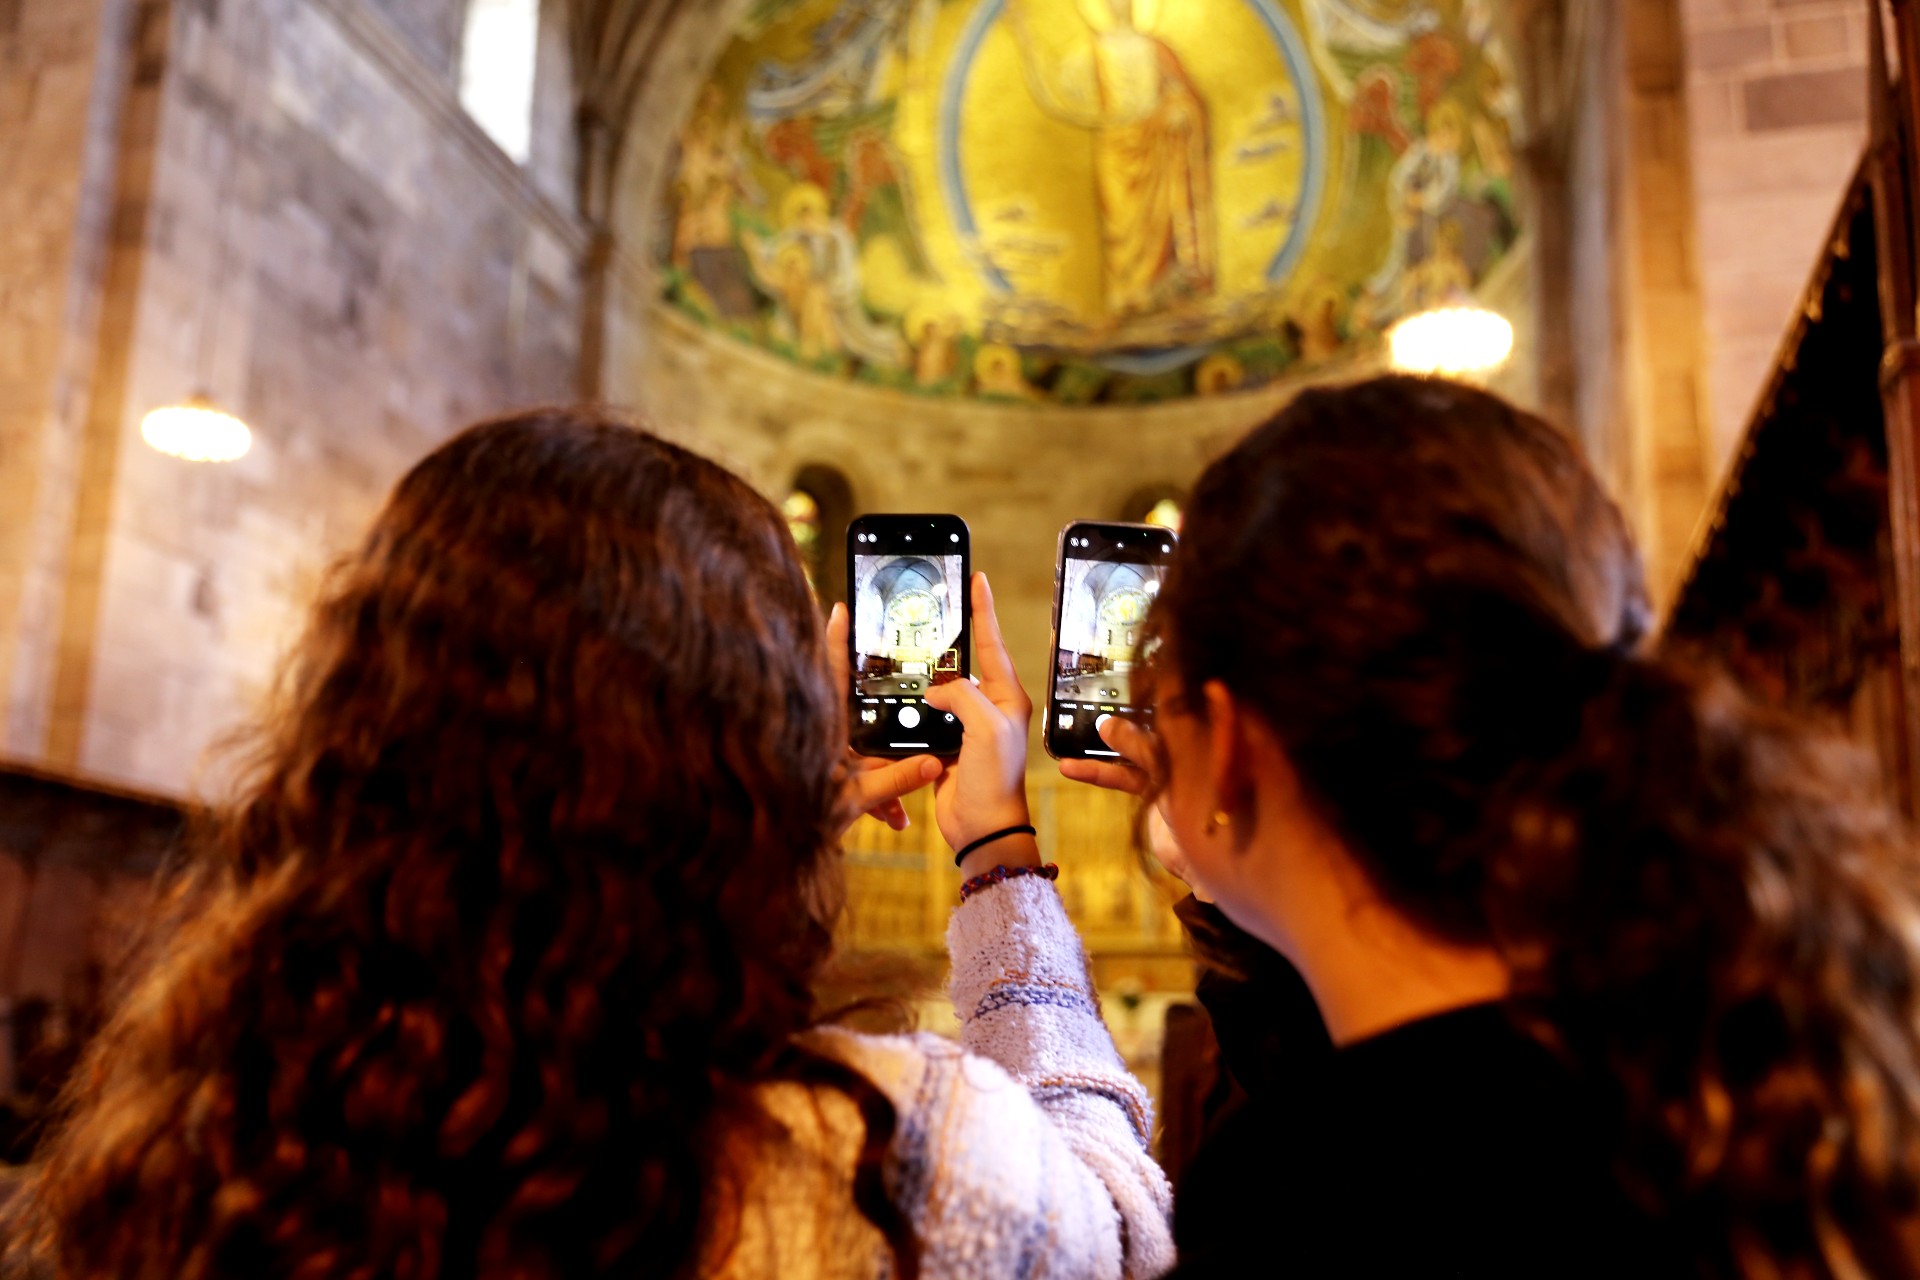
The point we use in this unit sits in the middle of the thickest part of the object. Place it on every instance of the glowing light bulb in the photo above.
(196, 431)
(1451, 341)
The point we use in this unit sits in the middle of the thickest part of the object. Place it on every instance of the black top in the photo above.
(1451, 1146)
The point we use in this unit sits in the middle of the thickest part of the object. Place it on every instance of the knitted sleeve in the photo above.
(1021, 1152)
(1025, 1000)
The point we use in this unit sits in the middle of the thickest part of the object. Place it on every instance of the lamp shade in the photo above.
(1450, 341)
(197, 431)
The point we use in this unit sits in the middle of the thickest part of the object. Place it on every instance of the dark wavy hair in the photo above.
(520, 904)
(1709, 910)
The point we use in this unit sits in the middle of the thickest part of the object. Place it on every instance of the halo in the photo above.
(800, 196)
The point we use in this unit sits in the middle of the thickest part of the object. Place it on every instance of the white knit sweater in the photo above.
(1020, 1152)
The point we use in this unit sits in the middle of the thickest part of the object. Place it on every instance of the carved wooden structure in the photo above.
(1805, 578)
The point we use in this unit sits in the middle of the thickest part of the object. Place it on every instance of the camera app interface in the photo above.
(1107, 583)
(908, 633)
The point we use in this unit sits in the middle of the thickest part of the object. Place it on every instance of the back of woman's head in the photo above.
(525, 892)
(1708, 910)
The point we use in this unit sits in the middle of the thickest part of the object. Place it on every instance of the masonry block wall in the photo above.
(1777, 104)
(305, 224)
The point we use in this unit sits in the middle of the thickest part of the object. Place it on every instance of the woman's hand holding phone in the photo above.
(1135, 745)
(985, 789)
(874, 786)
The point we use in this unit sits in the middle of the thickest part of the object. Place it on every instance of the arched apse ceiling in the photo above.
(1083, 201)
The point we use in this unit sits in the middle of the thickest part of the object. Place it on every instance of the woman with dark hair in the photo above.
(501, 964)
(1612, 972)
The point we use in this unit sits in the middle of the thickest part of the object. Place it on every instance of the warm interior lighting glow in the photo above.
(196, 431)
(1452, 341)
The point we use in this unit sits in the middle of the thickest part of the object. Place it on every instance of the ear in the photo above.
(1230, 765)
(1246, 758)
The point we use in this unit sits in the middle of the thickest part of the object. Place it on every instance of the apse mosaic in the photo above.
(1082, 201)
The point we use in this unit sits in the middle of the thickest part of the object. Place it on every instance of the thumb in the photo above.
(964, 699)
(1134, 744)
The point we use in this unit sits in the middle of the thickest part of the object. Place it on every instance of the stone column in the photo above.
(1666, 389)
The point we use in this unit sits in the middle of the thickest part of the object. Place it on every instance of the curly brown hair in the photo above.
(521, 902)
(1710, 912)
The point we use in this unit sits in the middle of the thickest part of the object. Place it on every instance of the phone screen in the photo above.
(907, 576)
(1107, 578)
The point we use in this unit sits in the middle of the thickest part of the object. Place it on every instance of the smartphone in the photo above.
(1105, 578)
(911, 623)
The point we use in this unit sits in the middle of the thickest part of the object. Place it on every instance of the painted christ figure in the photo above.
(1153, 160)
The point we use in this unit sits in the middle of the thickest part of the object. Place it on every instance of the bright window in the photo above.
(496, 71)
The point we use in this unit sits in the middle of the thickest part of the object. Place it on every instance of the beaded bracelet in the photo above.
(998, 874)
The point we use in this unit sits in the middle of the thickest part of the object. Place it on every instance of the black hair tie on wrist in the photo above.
(1023, 829)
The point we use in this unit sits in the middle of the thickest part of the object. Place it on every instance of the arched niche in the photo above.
(818, 505)
(1161, 504)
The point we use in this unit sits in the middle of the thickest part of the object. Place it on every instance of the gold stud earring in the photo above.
(1217, 819)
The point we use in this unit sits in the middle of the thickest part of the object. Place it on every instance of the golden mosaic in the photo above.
(1083, 201)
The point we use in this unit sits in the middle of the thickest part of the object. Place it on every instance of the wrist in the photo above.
(985, 821)
(1008, 851)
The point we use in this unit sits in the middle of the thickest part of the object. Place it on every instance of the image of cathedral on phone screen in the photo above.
(906, 623)
(1103, 608)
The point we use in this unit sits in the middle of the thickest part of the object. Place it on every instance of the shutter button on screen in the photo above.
(909, 717)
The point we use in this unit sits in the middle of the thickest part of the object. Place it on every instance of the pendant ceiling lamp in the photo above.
(1453, 342)
(197, 429)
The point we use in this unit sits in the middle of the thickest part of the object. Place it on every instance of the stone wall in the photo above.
(1705, 153)
(310, 228)
(1015, 474)
(1777, 105)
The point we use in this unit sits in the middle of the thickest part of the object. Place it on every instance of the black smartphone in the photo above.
(907, 583)
(1105, 578)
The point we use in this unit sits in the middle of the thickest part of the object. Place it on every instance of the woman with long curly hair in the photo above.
(500, 966)
(1602, 969)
